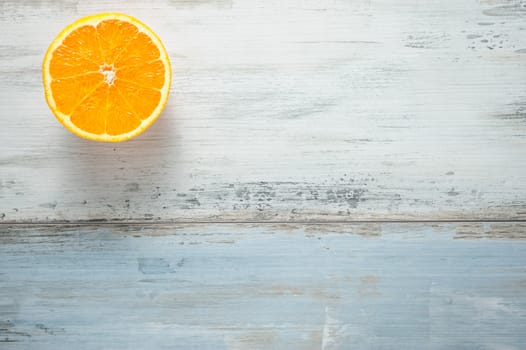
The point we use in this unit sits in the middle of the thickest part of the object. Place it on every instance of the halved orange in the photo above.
(107, 77)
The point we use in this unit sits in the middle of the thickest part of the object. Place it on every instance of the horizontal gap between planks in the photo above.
(250, 222)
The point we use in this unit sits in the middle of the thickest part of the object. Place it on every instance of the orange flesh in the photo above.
(107, 77)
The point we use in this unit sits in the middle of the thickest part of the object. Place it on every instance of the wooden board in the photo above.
(328, 174)
(284, 111)
(362, 286)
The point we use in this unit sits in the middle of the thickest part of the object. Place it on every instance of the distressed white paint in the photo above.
(284, 110)
(381, 286)
(333, 332)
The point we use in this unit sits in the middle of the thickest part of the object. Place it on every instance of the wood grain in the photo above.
(361, 286)
(284, 111)
(296, 121)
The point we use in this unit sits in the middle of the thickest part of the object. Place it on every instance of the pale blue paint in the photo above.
(242, 287)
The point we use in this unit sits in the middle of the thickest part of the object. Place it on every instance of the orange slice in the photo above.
(107, 77)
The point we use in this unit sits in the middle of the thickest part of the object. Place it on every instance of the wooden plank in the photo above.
(284, 110)
(362, 286)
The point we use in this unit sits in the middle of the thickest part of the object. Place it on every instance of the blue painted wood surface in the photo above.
(363, 286)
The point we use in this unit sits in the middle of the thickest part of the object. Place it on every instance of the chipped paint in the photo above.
(302, 163)
(271, 286)
(298, 121)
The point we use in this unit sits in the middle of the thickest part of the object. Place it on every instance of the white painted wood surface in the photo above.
(284, 110)
(363, 286)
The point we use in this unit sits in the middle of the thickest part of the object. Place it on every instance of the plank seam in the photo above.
(251, 222)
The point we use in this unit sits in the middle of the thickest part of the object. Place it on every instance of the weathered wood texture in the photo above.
(287, 111)
(284, 110)
(374, 286)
